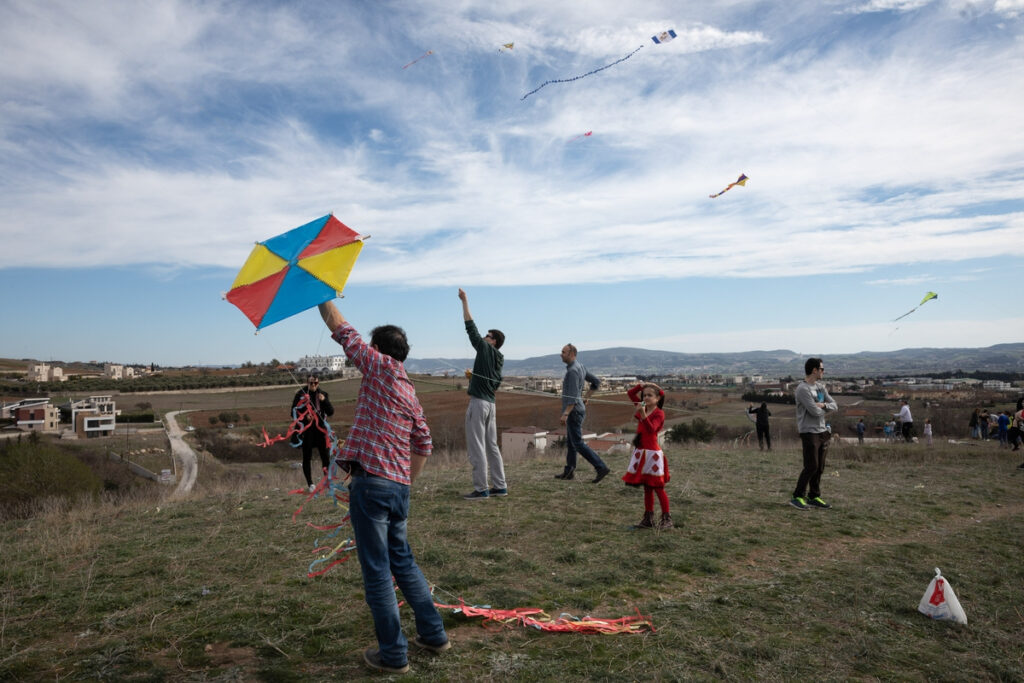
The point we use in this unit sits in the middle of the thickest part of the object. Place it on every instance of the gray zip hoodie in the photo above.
(810, 419)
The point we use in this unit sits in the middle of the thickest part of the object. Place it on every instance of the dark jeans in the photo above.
(764, 435)
(908, 431)
(574, 442)
(310, 440)
(815, 446)
(379, 508)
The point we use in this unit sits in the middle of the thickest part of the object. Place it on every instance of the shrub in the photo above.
(34, 471)
(699, 430)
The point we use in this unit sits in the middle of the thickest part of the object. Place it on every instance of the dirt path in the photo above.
(183, 455)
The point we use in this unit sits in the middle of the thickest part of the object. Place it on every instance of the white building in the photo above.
(41, 372)
(522, 441)
(334, 365)
(117, 371)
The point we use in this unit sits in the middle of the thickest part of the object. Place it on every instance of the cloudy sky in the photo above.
(144, 148)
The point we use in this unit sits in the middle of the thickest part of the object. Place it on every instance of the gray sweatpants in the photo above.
(482, 444)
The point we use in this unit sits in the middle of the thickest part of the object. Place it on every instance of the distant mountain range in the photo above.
(780, 363)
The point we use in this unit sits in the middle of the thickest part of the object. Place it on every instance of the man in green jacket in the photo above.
(481, 415)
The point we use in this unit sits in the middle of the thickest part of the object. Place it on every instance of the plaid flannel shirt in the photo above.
(389, 422)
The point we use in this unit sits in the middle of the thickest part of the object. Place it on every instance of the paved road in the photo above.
(184, 456)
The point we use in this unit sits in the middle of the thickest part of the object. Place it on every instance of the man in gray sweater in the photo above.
(574, 411)
(812, 403)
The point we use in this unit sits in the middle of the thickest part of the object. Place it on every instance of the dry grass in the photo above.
(213, 587)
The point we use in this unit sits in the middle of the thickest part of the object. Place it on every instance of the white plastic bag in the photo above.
(939, 601)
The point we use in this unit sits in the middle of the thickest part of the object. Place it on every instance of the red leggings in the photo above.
(649, 492)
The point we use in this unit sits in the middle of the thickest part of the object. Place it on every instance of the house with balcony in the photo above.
(94, 416)
(32, 414)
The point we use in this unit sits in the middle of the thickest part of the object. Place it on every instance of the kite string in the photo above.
(539, 392)
(576, 78)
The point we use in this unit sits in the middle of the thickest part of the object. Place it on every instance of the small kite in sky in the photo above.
(422, 56)
(583, 135)
(506, 47)
(576, 78)
(742, 180)
(299, 269)
(663, 37)
(927, 297)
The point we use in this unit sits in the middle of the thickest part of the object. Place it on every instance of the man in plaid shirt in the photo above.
(384, 452)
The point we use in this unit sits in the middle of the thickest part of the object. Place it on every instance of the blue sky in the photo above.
(144, 148)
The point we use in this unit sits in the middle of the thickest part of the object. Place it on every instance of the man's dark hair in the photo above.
(811, 364)
(391, 341)
(498, 336)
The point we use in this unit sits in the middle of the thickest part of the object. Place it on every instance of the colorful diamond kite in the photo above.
(299, 269)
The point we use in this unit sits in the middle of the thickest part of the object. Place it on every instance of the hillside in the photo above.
(629, 361)
(213, 587)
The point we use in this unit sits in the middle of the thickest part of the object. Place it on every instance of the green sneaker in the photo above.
(799, 503)
(819, 503)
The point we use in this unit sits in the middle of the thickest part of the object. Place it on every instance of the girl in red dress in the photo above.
(648, 465)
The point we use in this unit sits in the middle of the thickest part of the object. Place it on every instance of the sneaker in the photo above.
(477, 495)
(819, 503)
(498, 492)
(566, 474)
(312, 487)
(436, 649)
(372, 659)
(799, 503)
(601, 474)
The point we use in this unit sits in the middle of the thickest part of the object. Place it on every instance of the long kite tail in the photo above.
(576, 78)
(425, 54)
(907, 313)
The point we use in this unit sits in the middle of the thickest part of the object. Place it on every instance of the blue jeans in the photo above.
(574, 442)
(379, 508)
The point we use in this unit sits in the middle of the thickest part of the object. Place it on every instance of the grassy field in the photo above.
(214, 587)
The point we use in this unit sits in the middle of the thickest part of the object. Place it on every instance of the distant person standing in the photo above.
(972, 424)
(906, 421)
(983, 424)
(481, 414)
(928, 431)
(574, 411)
(860, 431)
(648, 466)
(812, 403)
(314, 434)
(764, 434)
(1004, 428)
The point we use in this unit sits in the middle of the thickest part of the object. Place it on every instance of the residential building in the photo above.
(523, 441)
(333, 365)
(42, 372)
(94, 416)
(33, 414)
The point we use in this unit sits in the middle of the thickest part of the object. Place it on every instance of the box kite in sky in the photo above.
(299, 269)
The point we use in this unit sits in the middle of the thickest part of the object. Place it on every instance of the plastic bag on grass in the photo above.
(939, 601)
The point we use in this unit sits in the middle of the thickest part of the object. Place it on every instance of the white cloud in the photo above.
(860, 154)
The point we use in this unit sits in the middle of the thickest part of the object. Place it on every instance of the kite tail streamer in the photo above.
(537, 618)
(576, 78)
(534, 617)
(424, 55)
(330, 553)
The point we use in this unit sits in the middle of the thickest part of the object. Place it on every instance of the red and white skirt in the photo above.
(647, 467)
